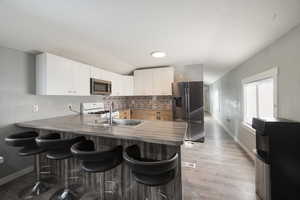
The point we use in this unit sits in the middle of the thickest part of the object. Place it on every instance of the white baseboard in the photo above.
(249, 153)
(15, 175)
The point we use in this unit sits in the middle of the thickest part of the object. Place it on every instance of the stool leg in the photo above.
(39, 187)
(67, 194)
(158, 194)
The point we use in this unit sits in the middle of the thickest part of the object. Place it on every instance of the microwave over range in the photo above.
(100, 87)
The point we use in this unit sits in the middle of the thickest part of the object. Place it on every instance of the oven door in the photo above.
(100, 87)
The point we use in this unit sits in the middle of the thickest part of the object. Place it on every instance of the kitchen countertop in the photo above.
(161, 132)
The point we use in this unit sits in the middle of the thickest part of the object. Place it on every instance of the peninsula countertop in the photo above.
(161, 132)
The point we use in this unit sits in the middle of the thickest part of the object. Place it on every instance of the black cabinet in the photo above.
(278, 144)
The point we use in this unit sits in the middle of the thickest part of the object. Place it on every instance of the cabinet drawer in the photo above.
(152, 115)
(125, 114)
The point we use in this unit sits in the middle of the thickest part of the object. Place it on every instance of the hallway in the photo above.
(223, 170)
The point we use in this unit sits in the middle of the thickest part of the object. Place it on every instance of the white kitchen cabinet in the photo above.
(116, 87)
(155, 81)
(143, 82)
(162, 81)
(101, 74)
(56, 75)
(122, 85)
(81, 79)
(127, 85)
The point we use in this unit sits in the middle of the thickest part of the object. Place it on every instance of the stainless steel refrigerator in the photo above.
(188, 106)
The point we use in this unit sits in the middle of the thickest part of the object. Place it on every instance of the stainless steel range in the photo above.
(92, 108)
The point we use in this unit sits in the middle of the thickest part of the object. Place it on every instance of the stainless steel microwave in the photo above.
(100, 87)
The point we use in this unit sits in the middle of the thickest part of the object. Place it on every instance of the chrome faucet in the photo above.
(111, 109)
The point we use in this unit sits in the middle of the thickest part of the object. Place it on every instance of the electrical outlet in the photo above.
(70, 107)
(189, 165)
(1, 159)
(35, 108)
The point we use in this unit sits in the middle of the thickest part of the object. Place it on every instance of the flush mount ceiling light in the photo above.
(158, 54)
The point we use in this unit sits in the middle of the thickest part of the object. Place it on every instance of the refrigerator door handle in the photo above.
(186, 103)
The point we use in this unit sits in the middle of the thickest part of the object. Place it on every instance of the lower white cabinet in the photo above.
(56, 75)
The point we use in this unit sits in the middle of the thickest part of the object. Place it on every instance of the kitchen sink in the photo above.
(126, 122)
(116, 122)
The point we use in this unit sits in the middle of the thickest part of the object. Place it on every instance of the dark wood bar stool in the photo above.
(59, 149)
(98, 162)
(150, 172)
(26, 141)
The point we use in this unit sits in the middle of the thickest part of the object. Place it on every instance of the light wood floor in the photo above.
(223, 171)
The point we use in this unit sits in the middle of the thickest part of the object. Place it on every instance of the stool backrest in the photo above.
(85, 150)
(22, 139)
(132, 157)
(53, 141)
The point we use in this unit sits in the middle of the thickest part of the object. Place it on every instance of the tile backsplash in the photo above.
(140, 102)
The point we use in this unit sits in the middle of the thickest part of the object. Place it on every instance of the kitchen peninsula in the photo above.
(157, 140)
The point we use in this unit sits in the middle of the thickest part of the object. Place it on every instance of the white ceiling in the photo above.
(119, 35)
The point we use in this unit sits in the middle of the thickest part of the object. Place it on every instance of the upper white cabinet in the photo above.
(122, 85)
(56, 75)
(81, 79)
(127, 83)
(162, 80)
(155, 81)
(60, 76)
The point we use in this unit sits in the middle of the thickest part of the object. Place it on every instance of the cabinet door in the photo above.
(81, 79)
(95, 72)
(147, 77)
(138, 82)
(128, 85)
(162, 81)
(59, 76)
(116, 84)
(143, 82)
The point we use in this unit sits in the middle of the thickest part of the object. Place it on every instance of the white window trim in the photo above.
(271, 73)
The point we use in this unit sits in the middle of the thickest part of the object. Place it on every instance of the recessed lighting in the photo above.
(158, 54)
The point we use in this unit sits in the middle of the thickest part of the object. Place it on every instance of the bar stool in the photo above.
(26, 140)
(59, 149)
(150, 172)
(97, 161)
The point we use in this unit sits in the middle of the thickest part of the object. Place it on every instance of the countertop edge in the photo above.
(173, 143)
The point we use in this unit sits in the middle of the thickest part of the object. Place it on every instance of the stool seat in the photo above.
(59, 155)
(155, 180)
(31, 151)
(22, 139)
(149, 171)
(28, 147)
(93, 167)
(57, 148)
(96, 161)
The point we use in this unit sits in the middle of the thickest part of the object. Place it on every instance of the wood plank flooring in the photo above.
(223, 171)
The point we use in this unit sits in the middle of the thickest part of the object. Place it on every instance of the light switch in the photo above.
(1, 160)
(35, 108)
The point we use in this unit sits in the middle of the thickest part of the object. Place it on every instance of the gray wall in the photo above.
(283, 54)
(206, 98)
(17, 87)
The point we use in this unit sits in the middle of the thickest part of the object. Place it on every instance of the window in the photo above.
(260, 96)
